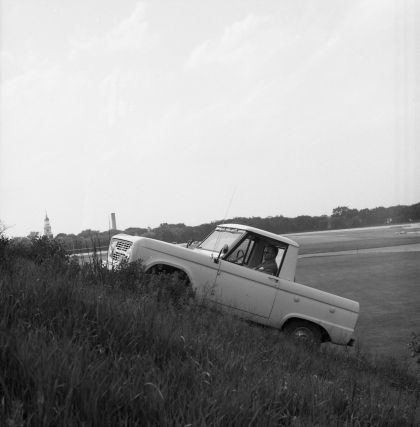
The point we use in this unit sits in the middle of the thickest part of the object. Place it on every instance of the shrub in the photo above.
(163, 286)
(414, 346)
(40, 250)
(4, 246)
(82, 345)
(44, 249)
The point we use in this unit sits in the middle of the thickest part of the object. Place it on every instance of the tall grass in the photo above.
(81, 345)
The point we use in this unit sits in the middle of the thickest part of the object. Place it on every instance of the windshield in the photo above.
(220, 237)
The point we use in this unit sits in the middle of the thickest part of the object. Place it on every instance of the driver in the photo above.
(268, 264)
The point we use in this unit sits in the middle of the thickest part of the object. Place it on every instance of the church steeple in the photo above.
(47, 227)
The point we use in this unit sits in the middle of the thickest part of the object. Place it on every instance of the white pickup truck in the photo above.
(227, 271)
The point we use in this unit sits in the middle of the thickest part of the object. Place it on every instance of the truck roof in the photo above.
(262, 233)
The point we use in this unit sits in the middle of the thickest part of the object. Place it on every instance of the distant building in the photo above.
(113, 221)
(47, 227)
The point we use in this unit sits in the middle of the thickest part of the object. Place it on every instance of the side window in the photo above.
(268, 257)
(280, 255)
(242, 253)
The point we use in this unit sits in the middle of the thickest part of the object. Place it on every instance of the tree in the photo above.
(136, 231)
(33, 235)
(379, 215)
(3, 228)
(88, 233)
(339, 211)
(4, 242)
(344, 217)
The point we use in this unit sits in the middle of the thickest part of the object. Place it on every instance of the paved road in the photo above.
(411, 227)
(415, 247)
(88, 256)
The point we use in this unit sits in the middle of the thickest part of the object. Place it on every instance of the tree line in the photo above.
(341, 217)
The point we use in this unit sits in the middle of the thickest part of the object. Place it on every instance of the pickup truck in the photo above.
(227, 271)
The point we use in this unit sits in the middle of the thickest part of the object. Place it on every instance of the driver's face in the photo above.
(269, 253)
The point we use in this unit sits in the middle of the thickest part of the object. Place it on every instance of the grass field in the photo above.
(83, 345)
(352, 239)
(387, 285)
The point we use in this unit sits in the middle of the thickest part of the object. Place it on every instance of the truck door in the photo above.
(244, 289)
(239, 287)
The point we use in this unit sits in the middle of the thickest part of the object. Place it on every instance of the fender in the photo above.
(327, 327)
(298, 316)
(172, 264)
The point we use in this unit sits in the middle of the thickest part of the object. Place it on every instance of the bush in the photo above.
(4, 246)
(82, 345)
(44, 248)
(414, 346)
(40, 250)
(163, 286)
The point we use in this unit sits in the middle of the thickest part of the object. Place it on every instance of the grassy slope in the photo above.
(83, 345)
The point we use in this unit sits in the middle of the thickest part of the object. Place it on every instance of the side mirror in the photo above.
(223, 251)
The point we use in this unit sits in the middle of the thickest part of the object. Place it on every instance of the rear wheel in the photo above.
(304, 332)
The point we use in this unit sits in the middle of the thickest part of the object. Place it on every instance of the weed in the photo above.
(414, 346)
(83, 345)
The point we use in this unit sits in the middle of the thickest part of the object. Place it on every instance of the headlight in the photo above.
(128, 253)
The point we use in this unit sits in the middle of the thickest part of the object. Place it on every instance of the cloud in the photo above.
(31, 85)
(235, 44)
(131, 34)
(116, 106)
(9, 65)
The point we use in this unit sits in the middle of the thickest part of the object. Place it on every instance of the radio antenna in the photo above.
(224, 219)
(230, 204)
(226, 214)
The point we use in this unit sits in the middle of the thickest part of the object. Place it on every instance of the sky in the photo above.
(194, 111)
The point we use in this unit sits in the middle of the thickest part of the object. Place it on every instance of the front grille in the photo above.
(118, 256)
(119, 251)
(123, 245)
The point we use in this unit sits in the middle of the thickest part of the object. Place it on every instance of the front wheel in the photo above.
(304, 332)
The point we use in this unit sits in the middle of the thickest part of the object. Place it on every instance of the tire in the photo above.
(303, 332)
